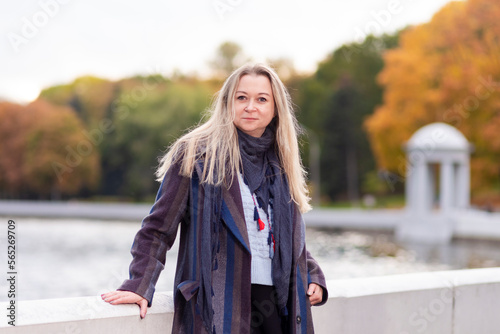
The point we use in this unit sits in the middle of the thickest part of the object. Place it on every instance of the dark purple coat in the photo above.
(180, 201)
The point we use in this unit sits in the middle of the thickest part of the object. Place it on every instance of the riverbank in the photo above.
(467, 224)
(380, 219)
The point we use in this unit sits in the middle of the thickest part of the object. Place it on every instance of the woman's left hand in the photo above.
(315, 293)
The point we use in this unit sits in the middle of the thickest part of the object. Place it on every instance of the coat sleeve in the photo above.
(315, 275)
(157, 234)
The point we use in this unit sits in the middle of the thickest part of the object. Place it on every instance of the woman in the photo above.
(237, 187)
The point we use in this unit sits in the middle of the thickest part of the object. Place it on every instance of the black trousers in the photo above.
(265, 318)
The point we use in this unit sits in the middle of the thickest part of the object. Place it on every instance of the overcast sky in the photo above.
(48, 42)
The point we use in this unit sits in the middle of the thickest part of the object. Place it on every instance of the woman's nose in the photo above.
(250, 105)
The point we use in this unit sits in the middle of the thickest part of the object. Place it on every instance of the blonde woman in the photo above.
(237, 187)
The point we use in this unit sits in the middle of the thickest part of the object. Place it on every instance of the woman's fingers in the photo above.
(315, 293)
(126, 297)
(111, 297)
(143, 304)
(121, 297)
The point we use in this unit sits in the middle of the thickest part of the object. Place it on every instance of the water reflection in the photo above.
(70, 258)
(461, 253)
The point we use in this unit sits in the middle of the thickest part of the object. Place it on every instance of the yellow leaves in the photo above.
(445, 70)
(491, 133)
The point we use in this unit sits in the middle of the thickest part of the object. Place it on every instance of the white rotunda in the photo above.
(437, 183)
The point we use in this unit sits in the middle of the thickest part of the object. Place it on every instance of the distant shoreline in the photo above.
(74, 209)
(376, 219)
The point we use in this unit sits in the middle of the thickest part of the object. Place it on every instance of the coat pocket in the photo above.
(188, 289)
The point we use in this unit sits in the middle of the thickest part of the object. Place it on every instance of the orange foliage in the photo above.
(13, 128)
(44, 151)
(447, 70)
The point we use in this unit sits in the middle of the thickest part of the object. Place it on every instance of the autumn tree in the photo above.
(44, 151)
(14, 125)
(89, 97)
(446, 70)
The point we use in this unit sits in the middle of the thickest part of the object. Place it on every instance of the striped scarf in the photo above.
(264, 176)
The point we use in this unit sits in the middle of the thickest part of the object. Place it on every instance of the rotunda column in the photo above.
(447, 191)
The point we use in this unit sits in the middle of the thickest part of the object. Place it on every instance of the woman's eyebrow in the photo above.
(243, 92)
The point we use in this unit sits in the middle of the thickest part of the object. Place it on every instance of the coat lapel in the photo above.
(232, 213)
(232, 209)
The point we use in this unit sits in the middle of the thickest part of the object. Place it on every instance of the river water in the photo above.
(73, 257)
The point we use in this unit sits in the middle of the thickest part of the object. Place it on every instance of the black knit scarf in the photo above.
(264, 176)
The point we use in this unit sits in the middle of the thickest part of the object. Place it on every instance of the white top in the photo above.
(259, 249)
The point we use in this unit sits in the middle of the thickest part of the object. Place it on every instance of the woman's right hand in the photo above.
(126, 297)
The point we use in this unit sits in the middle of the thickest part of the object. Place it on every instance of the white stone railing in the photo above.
(448, 302)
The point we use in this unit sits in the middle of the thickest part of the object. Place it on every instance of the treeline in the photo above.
(95, 137)
(99, 138)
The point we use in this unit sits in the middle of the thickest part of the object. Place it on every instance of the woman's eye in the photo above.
(262, 99)
(241, 97)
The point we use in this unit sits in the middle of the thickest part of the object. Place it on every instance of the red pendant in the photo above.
(261, 224)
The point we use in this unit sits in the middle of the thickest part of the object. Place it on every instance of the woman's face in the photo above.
(253, 104)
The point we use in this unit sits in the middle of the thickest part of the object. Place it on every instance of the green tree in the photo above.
(146, 129)
(334, 102)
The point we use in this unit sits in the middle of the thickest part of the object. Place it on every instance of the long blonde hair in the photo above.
(215, 142)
